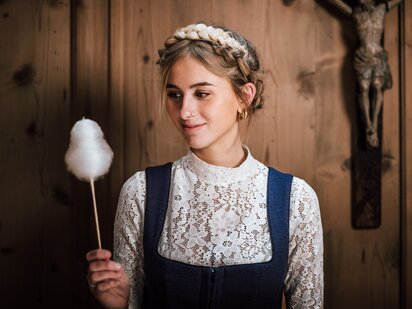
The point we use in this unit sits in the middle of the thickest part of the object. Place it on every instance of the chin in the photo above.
(196, 144)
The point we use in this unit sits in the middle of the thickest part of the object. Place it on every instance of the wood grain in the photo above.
(335, 99)
(36, 224)
(407, 157)
(388, 239)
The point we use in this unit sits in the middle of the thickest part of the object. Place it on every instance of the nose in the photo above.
(187, 108)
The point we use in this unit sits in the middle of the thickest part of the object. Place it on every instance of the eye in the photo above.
(174, 95)
(201, 94)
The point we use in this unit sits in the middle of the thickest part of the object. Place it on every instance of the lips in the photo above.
(191, 128)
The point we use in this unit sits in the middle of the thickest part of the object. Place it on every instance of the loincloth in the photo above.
(370, 66)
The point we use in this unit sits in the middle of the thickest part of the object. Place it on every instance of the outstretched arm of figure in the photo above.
(392, 3)
(344, 7)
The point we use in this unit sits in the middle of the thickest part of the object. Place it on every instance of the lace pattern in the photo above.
(217, 220)
(128, 234)
(203, 227)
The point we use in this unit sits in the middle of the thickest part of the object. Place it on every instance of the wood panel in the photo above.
(36, 236)
(406, 114)
(335, 92)
(387, 241)
(289, 77)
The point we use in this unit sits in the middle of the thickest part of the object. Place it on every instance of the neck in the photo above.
(227, 156)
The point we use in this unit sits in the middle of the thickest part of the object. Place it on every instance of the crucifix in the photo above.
(373, 77)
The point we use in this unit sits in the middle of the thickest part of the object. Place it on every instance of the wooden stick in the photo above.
(96, 217)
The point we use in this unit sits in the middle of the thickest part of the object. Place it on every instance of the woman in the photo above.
(217, 228)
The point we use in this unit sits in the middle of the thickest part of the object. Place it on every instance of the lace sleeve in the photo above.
(304, 279)
(128, 234)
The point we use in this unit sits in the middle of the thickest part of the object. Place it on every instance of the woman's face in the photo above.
(202, 105)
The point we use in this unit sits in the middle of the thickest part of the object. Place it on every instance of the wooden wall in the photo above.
(61, 60)
(406, 115)
(36, 234)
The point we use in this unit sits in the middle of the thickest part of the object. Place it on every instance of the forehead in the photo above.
(187, 65)
(188, 70)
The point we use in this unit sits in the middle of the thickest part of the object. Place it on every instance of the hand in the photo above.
(107, 279)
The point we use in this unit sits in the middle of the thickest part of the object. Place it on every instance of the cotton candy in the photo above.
(89, 156)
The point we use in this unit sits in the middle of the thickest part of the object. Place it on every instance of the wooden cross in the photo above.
(373, 77)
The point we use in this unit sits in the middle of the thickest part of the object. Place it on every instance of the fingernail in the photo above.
(117, 266)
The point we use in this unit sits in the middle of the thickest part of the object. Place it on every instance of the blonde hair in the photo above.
(222, 51)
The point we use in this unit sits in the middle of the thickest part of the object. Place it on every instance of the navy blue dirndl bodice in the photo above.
(173, 284)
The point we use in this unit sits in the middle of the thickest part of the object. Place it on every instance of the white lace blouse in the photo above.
(217, 216)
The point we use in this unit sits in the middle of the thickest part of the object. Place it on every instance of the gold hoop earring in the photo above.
(244, 114)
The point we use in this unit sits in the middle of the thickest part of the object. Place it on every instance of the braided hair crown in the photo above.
(237, 57)
(209, 33)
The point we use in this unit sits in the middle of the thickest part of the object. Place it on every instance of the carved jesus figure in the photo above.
(371, 60)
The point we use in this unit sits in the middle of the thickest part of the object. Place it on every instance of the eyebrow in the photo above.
(191, 86)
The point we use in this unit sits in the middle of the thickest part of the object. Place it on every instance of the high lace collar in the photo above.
(219, 174)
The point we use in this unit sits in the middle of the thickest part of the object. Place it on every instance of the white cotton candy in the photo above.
(89, 156)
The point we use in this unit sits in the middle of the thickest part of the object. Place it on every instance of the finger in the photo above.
(98, 254)
(107, 285)
(101, 276)
(106, 265)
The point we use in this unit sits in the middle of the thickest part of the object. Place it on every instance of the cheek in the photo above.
(223, 115)
(231, 108)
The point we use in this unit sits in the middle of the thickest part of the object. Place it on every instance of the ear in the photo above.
(248, 94)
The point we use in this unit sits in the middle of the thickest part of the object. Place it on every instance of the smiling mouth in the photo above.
(192, 128)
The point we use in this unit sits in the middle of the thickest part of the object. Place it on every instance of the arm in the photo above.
(128, 235)
(391, 4)
(345, 8)
(304, 279)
